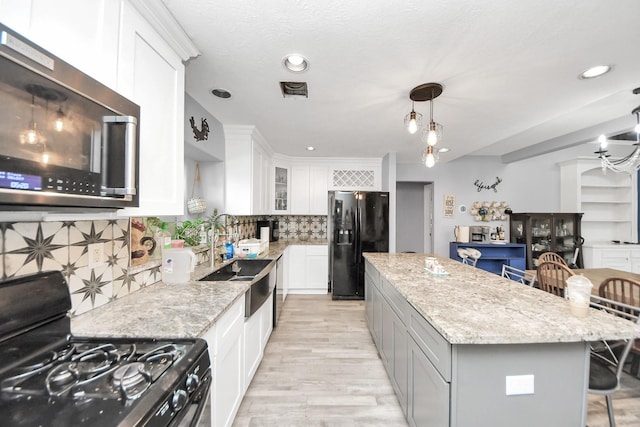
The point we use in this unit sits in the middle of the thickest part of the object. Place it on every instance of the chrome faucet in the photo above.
(214, 239)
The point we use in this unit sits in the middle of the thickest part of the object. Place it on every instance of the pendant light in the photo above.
(431, 134)
(413, 120)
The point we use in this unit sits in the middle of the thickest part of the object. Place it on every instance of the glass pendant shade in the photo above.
(429, 157)
(413, 121)
(432, 134)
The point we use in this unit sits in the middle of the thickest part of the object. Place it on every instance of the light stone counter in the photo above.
(170, 310)
(472, 306)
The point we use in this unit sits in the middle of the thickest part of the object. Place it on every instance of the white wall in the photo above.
(531, 185)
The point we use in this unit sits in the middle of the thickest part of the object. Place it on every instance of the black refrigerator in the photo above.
(358, 223)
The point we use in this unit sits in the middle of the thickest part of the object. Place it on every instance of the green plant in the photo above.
(189, 231)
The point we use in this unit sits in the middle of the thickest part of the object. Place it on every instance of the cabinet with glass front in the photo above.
(281, 190)
(548, 232)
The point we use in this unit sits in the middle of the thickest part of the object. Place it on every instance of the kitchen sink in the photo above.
(260, 272)
(241, 269)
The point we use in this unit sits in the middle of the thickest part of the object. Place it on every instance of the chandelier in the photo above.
(629, 163)
(432, 133)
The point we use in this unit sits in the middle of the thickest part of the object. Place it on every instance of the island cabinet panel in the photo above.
(373, 303)
(432, 344)
(494, 255)
(394, 336)
(428, 392)
(480, 384)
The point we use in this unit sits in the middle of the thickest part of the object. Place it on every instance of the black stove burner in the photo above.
(50, 378)
(107, 371)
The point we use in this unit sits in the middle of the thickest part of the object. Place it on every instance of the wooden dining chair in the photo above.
(608, 358)
(627, 291)
(552, 277)
(551, 256)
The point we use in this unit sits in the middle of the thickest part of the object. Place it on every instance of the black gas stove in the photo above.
(49, 377)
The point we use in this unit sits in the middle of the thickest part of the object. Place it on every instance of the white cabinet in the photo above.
(281, 190)
(608, 200)
(617, 256)
(151, 74)
(226, 351)
(309, 187)
(247, 171)
(257, 330)
(318, 190)
(308, 269)
(81, 33)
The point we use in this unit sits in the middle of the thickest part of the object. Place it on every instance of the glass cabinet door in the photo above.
(565, 240)
(281, 192)
(540, 236)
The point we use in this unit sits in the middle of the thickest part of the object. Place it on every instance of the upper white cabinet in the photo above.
(309, 186)
(81, 33)
(118, 43)
(608, 200)
(247, 171)
(151, 74)
(281, 189)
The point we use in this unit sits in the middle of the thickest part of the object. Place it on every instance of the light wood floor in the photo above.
(322, 369)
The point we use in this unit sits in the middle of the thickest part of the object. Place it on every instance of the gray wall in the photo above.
(410, 233)
(531, 185)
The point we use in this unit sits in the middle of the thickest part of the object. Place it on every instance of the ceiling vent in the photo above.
(294, 89)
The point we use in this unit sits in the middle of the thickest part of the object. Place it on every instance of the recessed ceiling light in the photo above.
(221, 93)
(443, 150)
(295, 62)
(594, 72)
(311, 148)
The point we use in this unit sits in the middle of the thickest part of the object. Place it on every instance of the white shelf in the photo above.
(608, 201)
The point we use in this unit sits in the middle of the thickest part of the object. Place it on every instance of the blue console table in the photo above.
(494, 255)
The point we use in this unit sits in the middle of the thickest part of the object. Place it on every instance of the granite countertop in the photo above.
(473, 306)
(172, 310)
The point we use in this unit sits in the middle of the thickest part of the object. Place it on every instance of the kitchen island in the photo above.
(474, 349)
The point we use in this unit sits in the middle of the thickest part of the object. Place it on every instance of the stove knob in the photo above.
(192, 383)
(179, 399)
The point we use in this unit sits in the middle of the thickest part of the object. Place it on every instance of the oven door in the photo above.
(65, 139)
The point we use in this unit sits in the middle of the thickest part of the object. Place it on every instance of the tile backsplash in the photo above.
(31, 247)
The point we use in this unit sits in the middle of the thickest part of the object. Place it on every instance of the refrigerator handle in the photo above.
(356, 226)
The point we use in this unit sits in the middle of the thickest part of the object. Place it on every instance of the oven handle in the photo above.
(131, 125)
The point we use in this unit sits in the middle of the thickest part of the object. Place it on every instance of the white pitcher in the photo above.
(177, 264)
(461, 233)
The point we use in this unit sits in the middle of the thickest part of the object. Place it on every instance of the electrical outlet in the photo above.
(96, 255)
(519, 384)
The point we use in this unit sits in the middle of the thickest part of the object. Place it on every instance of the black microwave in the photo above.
(274, 231)
(66, 140)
